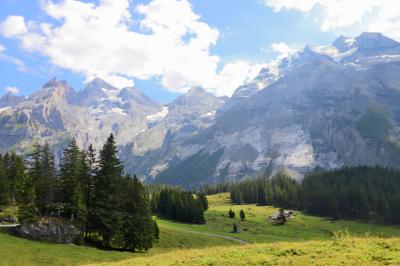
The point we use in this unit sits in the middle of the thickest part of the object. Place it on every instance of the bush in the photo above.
(231, 214)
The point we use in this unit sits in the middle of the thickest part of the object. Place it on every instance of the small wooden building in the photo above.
(281, 217)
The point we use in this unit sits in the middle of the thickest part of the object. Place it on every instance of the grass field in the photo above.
(256, 229)
(21, 252)
(303, 240)
(345, 251)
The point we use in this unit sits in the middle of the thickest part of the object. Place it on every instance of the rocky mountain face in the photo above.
(56, 113)
(152, 150)
(321, 111)
(320, 108)
(10, 100)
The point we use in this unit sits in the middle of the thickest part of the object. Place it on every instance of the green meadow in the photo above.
(303, 240)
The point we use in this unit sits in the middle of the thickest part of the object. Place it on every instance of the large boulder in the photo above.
(49, 229)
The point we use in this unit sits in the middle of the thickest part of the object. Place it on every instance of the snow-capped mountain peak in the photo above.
(344, 44)
(304, 111)
(265, 78)
(372, 40)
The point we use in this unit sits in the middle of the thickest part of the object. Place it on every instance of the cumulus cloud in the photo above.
(283, 49)
(234, 75)
(12, 90)
(13, 26)
(344, 16)
(164, 39)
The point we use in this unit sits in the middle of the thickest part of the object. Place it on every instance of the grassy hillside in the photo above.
(256, 229)
(346, 251)
(21, 252)
(302, 240)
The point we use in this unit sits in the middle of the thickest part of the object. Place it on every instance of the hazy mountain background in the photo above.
(324, 107)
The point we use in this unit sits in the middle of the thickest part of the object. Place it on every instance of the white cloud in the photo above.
(12, 90)
(11, 59)
(13, 26)
(234, 75)
(302, 5)
(283, 49)
(348, 16)
(97, 40)
(327, 50)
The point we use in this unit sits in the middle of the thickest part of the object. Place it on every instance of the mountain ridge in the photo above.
(311, 110)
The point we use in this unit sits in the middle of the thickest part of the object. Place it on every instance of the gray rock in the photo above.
(49, 229)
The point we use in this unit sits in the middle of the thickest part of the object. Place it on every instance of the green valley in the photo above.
(303, 240)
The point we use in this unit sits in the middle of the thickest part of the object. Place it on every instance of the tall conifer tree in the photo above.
(50, 178)
(37, 176)
(71, 171)
(88, 185)
(107, 219)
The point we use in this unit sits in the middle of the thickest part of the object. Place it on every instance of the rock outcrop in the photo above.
(49, 229)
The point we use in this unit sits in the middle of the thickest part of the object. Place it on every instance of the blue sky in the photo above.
(42, 41)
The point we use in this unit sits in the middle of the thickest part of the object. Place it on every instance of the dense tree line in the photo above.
(212, 189)
(371, 193)
(13, 180)
(356, 192)
(110, 206)
(280, 190)
(180, 205)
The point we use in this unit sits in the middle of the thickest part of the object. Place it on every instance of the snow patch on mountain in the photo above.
(209, 114)
(112, 95)
(158, 116)
(118, 111)
(350, 41)
(5, 109)
(332, 52)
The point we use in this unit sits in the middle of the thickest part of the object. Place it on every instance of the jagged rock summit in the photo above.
(316, 109)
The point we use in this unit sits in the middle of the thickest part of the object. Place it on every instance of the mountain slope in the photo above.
(159, 147)
(318, 108)
(56, 113)
(320, 113)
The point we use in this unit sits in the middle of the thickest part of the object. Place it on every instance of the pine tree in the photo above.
(235, 228)
(231, 213)
(71, 172)
(269, 193)
(4, 185)
(27, 209)
(236, 196)
(179, 205)
(50, 177)
(242, 215)
(138, 226)
(89, 159)
(17, 174)
(156, 231)
(107, 221)
(333, 208)
(261, 195)
(10, 181)
(40, 184)
(203, 200)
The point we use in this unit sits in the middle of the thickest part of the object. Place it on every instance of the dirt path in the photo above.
(8, 225)
(242, 242)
